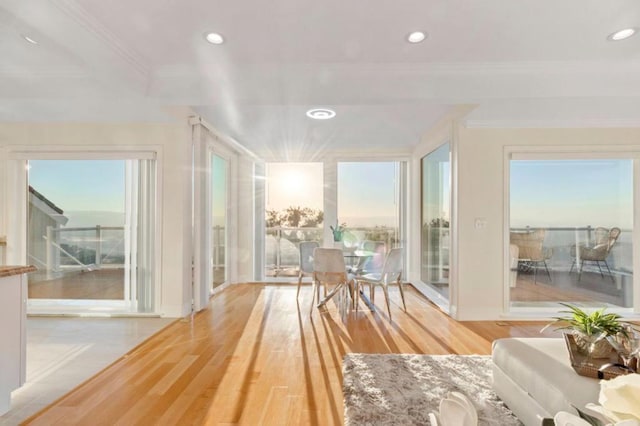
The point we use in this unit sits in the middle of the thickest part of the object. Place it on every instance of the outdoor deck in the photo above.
(108, 284)
(565, 287)
(103, 284)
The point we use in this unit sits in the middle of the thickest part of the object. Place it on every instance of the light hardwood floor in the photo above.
(257, 357)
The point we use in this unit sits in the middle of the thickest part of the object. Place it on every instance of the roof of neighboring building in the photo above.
(45, 200)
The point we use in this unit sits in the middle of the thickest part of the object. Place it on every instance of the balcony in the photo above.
(78, 263)
(531, 284)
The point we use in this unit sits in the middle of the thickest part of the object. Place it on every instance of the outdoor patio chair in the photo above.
(391, 272)
(605, 239)
(531, 251)
(305, 250)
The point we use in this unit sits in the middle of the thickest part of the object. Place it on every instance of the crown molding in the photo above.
(552, 124)
(76, 12)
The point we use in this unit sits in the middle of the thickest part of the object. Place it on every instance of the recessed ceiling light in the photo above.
(321, 113)
(622, 34)
(214, 38)
(29, 39)
(416, 37)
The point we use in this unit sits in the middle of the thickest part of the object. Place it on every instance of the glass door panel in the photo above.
(219, 201)
(369, 210)
(294, 213)
(571, 227)
(436, 201)
(90, 228)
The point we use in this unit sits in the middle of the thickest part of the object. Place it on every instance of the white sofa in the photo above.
(534, 377)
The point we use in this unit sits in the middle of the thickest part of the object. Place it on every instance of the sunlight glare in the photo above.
(294, 182)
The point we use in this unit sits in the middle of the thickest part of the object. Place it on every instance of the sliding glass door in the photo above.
(294, 213)
(219, 217)
(369, 208)
(90, 233)
(436, 218)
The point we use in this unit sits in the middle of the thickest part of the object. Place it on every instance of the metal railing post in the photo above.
(98, 259)
(278, 237)
(49, 255)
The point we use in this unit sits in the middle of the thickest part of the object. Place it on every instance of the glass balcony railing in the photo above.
(571, 264)
(81, 248)
(282, 258)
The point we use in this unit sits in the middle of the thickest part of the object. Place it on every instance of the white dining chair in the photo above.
(329, 270)
(305, 250)
(391, 272)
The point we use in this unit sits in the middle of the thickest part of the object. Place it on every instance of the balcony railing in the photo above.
(80, 248)
(562, 239)
(282, 250)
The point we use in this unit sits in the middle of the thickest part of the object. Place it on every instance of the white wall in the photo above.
(481, 194)
(173, 143)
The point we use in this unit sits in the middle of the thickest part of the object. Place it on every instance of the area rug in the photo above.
(404, 389)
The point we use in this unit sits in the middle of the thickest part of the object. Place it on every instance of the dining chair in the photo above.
(329, 269)
(391, 272)
(305, 251)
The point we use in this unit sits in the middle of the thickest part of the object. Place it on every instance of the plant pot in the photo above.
(600, 349)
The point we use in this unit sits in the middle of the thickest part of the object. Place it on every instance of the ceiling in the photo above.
(523, 63)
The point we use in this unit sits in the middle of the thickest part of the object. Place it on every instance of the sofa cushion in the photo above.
(541, 367)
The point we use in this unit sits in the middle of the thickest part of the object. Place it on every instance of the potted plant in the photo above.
(338, 231)
(590, 329)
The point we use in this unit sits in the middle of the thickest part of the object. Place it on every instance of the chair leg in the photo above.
(572, 264)
(356, 294)
(547, 269)
(402, 295)
(535, 273)
(314, 289)
(299, 283)
(600, 268)
(609, 270)
(385, 289)
(580, 270)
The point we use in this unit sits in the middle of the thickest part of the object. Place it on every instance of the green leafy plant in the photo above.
(591, 324)
(338, 231)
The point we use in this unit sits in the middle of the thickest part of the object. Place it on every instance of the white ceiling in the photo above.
(523, 63)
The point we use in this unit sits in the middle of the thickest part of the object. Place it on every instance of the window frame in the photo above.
(593, 152)
(17, 158)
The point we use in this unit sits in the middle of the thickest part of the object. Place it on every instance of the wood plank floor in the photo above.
(105, 284)
(257, 357)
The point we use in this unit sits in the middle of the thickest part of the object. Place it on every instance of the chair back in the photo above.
(328, 265)
(305, 250)
(614, 233)
(392, 269)
(529, 244)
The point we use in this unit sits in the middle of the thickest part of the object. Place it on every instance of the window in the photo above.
(571, 228)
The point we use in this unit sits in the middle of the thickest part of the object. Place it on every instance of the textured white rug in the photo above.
(404, 389)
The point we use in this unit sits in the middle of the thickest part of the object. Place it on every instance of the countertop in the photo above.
(8, 271)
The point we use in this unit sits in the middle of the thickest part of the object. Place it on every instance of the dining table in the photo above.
(358, 257)
(353, 258)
